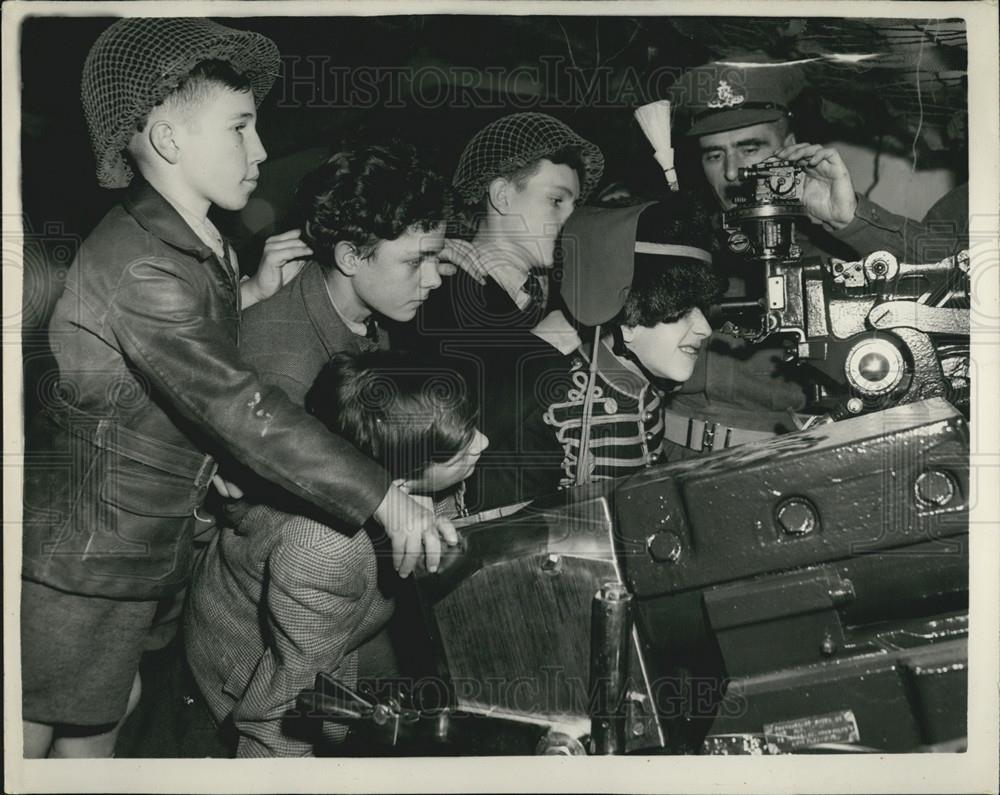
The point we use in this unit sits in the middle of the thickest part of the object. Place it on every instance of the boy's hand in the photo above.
(484, 259)
(412, 529)
(828, 191)
(461, 254)
(283, 257)
(227, 489)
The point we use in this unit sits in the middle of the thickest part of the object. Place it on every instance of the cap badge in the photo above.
(725, 97)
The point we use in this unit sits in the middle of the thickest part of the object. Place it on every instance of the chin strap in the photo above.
(582, 464)
(622, 351)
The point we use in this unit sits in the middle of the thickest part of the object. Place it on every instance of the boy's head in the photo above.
(413, 418)
(663, 320)
(144, 73)
(523, 174)
(374, 217)
(645, 274)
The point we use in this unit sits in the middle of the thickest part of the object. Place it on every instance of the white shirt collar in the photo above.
(557, 331)
(353, 326)
(202, 227)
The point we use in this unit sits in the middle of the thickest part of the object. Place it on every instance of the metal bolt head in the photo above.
(664, 547)
(739, 243)
(934, 487)
(552, 563)
(559, 744)
(613, 592)
(797, 517)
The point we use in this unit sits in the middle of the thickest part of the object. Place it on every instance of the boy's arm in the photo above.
(314, 603)
(157, 316)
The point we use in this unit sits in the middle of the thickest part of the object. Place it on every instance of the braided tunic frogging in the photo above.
(626, 427)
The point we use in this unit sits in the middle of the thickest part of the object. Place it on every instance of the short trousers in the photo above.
(79, 654)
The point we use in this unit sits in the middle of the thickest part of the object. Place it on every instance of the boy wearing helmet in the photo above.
(518, 180)
(151, 387)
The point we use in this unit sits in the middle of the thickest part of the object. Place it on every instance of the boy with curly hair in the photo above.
(374, 217)
(151, 387)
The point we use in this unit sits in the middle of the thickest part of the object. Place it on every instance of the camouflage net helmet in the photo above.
(139, 61)
(518, 140)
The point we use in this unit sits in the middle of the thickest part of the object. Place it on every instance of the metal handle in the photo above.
(610, 625)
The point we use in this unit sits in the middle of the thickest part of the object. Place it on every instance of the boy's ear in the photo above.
(628, 333)
(161, 138)
(498, 193)
(346, 257)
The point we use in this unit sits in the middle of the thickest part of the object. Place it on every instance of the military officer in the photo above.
(736, 114)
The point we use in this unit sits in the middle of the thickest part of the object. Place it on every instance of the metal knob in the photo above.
(880, 266)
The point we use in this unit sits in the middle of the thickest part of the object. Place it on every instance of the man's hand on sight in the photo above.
(828, 191)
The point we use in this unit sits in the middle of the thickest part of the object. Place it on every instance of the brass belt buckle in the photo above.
(708, 436)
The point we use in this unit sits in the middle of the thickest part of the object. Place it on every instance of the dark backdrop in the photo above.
(434, 80)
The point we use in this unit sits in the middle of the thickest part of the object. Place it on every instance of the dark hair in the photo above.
(571, 156)
(367, 194)
(400, 409)
(194, 88)
(664, 289)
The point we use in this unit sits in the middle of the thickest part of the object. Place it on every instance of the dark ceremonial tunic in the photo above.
(536, 447)
(626, 429)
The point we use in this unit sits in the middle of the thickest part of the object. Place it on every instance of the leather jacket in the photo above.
(150, 388)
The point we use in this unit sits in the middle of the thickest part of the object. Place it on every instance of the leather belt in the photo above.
(704, 435)
(107, 434)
